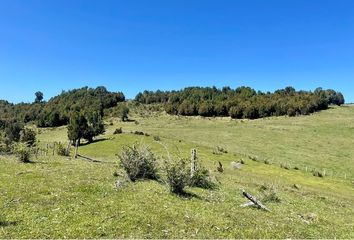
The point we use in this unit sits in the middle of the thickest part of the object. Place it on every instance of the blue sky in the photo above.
(135, 45)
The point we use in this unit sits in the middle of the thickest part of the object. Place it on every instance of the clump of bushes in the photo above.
(28, 136)
(317, 174)
(139, 133)
(4, 146)
(157, 138)
(253, 158)
(118, 131)
(285, 166)
(219, 150)
(23, 152)
(139, 162)
(201, 179)
(270, 194)
(178, 175)
(61, 150)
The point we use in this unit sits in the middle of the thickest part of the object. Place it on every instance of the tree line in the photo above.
(56, 112)
(83, 109)
(242, 102)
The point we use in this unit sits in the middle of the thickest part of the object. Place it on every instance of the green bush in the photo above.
(118, 131)
(270, 193)
(23, 152)
(157, 138)
(317, 174)
(219, 150)
(201, 179)
(61, 150)
(178, 175)
(285, 166)
(28, 136)
(139, 162)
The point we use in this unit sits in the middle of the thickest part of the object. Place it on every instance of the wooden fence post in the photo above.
(46, 150)
(54, 148)
(193, 162)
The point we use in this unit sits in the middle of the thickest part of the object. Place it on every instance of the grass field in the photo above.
(57, 197)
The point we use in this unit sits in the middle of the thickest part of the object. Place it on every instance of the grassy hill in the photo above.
(57, 197)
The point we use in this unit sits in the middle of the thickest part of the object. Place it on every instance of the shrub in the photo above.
(253, 158)
(122, 112)
(178, 175)
(317, 174)
(118, 131)
(201, 179)
(157, 138)
(236, 112)
(13, 132)
(23, 152)
(28, 136)
(139, 162)
(219, 150)
(285, 166)
(270, 193)
(4, 148)
(61, 150)
(139, 133)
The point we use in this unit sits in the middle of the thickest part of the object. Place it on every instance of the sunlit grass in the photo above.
(57, 197)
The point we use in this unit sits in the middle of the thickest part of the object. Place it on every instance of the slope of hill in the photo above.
(60, 198)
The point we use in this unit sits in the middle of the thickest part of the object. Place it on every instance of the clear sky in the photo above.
(133, 45)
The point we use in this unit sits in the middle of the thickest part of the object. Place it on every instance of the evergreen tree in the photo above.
(39, 97)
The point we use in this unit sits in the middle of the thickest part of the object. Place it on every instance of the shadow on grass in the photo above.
(188, 195)
(94, 141)
(34, 162)
(129, 120)
(7, 224)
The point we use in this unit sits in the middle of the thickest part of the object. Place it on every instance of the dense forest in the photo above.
(242, 102)
(56, 112)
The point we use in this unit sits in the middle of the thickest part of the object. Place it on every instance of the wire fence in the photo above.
(315, 171)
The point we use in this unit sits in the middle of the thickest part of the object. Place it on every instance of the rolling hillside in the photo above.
(57, 197)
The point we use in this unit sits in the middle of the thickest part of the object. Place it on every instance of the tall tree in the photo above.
(77, 126)
(85, 127)
(39, 97)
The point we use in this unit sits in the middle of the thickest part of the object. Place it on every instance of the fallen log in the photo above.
(254, 201)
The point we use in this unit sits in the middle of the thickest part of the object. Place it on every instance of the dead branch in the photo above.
(254, 201)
